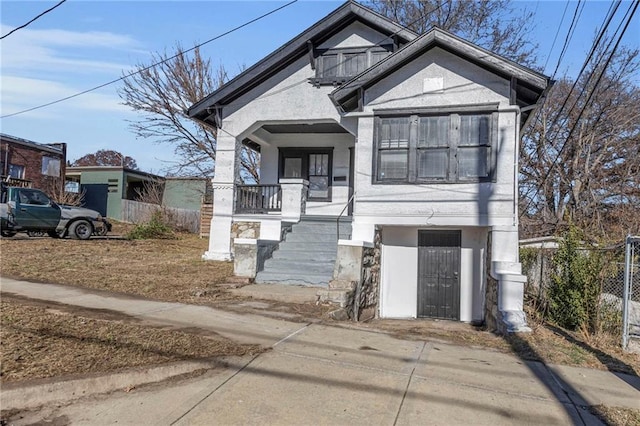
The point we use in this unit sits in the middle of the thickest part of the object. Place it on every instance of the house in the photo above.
(389, 164)
(105, 187)
(114, 190)
(31, 164)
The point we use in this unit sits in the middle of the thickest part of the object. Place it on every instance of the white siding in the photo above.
(399, 273)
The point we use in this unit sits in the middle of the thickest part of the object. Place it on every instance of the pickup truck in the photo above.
(32, 211)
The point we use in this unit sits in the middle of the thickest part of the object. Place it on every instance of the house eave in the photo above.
(344, 15)
(529, 87)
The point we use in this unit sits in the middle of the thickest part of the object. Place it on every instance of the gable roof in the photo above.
(206, 109)
(527, 85)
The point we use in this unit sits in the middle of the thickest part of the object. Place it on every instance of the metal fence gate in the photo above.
(631, 298)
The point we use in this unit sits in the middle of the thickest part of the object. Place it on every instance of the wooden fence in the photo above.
(182, 219)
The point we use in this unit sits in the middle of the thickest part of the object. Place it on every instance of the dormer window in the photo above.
(335, 66)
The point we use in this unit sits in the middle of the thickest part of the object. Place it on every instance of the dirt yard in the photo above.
(172, 270)
(41, 340)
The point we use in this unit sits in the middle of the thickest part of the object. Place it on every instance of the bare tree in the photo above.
(492, 24)
(163, 93)
(582, 164)
(106, 157)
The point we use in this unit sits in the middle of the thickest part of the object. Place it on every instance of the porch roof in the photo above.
(527, 85)
(208, 110)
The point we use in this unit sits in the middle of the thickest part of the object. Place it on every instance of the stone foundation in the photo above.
(246, 230)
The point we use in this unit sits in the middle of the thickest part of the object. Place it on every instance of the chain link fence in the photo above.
(603, 300)
(631, 295)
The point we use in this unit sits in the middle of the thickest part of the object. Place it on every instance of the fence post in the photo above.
(625, 299)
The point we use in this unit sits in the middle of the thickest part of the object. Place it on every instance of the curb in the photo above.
(18, 396)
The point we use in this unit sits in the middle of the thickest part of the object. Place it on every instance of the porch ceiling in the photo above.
(304, 128)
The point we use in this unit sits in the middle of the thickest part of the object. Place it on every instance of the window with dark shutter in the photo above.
(435, 148)
(338, 65)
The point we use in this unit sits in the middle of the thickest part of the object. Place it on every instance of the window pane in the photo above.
(433, 163)
(319, 164)
(329, 65)
(393, 164)
(472, 162)
(293, 167)
(394, 133)
(474, 130)
(50, 166)
(433, 131)
(318, 187)
(16, 171)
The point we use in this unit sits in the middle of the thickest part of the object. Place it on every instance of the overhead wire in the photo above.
(630, 14)
(141, 70)
(32, 20)
(605, 25)
(377, 44)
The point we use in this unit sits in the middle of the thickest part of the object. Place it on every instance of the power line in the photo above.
(150, 66)
(590, 95)
(24, 25)
(566, 6)
(567, 39)
(368, 49)
(605, 25)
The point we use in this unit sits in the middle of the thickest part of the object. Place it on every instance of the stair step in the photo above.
(310, 279)
(302, 237)
(297, 255)
(284, 265)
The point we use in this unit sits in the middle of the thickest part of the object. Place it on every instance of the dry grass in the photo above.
(40, 341)
(616, 416)
(172, 270)
(168, 270)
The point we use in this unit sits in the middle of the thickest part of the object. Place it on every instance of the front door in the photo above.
(312, 164)
(439, 274)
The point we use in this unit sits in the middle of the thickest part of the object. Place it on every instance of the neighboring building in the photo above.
(185, 192)
(28, 163)
(104, 187)
(107, 188)
(413, 138)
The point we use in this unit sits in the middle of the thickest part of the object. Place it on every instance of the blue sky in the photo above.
(82, 44)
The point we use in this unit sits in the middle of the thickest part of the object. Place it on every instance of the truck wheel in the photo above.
(56, 234)
(7, 234)
(81, 230)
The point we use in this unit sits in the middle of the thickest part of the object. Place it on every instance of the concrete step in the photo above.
(314, 279)
(321, 227)
(303, 237)
(339, 296)
(285, 265)
(298, 255)
(313, 245)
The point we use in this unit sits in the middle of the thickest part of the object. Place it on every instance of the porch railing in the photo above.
(11, 181)
(258, 198)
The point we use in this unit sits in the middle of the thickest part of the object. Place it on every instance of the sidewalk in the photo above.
(330, 375)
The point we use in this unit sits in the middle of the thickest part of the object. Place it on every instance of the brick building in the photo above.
(28, 163)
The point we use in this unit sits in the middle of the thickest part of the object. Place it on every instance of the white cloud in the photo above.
(62, 50)
(19, 93)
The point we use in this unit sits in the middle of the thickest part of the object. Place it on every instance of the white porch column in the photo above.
(294, 198)
(226, 176)
(507, 270)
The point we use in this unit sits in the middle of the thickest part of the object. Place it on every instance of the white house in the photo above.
(409, 142)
